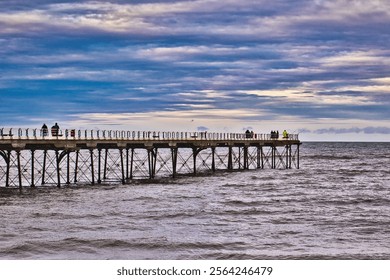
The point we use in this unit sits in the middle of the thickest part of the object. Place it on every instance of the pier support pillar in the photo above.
(213, 159)
(19, 169)
(32, 184)
(105, 165)
(246, 161)
(131, 163)
(58, 169)
(152, 158)
(262, 157)
(92, 168)
(273, 157)
(44, 166)
(99, 166)
(122, 166)
(298, 156)
(230, 158)
(286, 156)
(127, 163)
(68, 168)
(6, 157)
(239, 157)
(195, 152)
(174, 161)
(76, 165)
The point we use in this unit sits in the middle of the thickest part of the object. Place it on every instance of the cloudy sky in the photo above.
(317, 67)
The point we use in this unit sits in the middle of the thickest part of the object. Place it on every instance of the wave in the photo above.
(92, 246)
(327, 157)
(377, 201)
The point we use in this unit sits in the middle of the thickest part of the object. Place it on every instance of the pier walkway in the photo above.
(40, 157)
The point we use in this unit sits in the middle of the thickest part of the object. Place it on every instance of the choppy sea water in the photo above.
(336, 206)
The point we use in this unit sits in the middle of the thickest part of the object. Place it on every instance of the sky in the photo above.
(314, 67)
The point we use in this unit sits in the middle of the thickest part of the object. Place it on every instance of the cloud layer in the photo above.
(316, 66)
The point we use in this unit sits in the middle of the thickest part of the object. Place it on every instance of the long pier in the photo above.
(40, 157)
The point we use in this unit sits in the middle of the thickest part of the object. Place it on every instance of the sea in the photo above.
(336, 206)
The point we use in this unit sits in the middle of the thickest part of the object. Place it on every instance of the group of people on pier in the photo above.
(249, 134)
(275, 134)
(55, 129)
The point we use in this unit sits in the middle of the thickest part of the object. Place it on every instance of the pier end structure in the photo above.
(31, 158)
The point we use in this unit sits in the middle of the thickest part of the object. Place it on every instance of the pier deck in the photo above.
(32, 157)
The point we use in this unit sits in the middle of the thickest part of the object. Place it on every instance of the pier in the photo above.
(39, 157)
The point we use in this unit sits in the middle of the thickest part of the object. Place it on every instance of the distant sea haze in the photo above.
(336, 206)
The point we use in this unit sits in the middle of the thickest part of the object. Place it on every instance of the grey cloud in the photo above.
(304, 130)
(365, 130)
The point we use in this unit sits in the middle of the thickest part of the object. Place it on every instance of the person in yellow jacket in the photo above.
(285, 134)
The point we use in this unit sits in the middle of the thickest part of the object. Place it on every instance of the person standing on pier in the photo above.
(55, 129)
(44, 130)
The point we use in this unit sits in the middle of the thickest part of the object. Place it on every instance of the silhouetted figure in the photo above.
(54, 130)
(44, 130)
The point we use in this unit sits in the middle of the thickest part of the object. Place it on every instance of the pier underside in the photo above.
(59, 167)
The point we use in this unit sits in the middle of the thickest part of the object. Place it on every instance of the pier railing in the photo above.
(79, 134)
